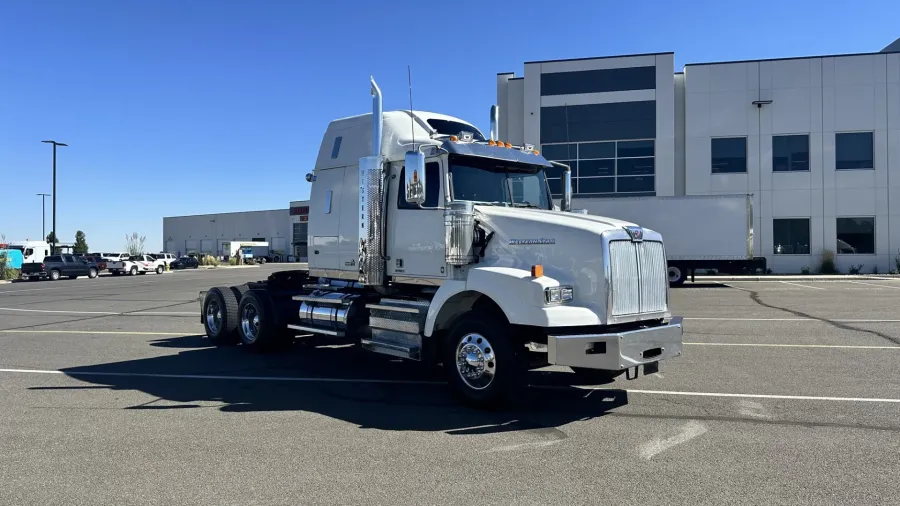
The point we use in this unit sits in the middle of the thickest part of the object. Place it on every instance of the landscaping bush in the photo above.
(875, 270)
(234, 261)
(855, 269)
(209, 260)
(827, 266)
(804, 270)
(9, 273)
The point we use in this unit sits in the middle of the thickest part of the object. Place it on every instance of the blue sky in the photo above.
(175, 108)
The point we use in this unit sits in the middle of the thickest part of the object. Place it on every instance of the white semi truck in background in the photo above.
(430, 242)
(700, 231)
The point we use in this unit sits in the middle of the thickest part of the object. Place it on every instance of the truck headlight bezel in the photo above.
(555, 295)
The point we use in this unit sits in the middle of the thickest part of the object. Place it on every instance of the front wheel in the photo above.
(159, 269)
(92, 273)
(677, 275)
(483, 367)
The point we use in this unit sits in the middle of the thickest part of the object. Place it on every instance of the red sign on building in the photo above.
(301, 210)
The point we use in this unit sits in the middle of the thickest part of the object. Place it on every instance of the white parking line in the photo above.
(873, 284)
(689, 431)
(788, 320)
(415, 382)
(137, 312)
(801, 286)
(781, 345)
(98, 332)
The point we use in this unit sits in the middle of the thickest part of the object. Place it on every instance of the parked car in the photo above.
(120, 257)
(136, 264)
(57, 266)
(185, 263)
(165, 258)
(100, 261)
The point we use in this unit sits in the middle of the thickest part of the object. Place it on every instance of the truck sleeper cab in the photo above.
(429, 242)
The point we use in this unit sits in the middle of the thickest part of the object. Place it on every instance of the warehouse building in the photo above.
(283, 229)
(815, 140)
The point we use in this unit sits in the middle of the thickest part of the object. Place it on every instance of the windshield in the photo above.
(20, 248)
(498, 182)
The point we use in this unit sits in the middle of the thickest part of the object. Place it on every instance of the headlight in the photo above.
(558, 294)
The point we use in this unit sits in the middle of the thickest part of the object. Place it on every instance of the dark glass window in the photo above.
(432, 187)
(596, 185)
(337, 147)
(856, 236)
(635, 148)
(597, 168)
(598, 81)
(790, 153)
(790, 236)
(598, 122)
(448, 127)
(559, 152)
(556, 186)
(854, 151)
(597, 150)
(635, 166)
(729, 155)
(634, 184)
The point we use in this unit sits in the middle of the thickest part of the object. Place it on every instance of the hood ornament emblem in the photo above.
(635, 233)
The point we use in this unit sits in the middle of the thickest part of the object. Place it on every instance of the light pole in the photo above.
(55, 238)
(43, 197)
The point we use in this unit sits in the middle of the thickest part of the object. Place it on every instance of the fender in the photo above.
(519, 295)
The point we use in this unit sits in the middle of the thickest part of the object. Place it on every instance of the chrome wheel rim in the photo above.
(250, 322)
(475, 361)
(213, 317)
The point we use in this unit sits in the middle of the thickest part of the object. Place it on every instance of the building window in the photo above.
(790, 236)
(598, 122)
(856, 236)
(854, 151)
(604, 168)
(790, 153)
(729, 155)
(598, 81)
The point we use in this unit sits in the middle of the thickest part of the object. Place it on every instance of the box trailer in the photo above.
(700, 231)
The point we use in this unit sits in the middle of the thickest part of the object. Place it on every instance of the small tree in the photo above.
(51, 238)
(134, 244)
(81, 245)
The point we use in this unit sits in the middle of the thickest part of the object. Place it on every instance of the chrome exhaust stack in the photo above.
(495, 122)
(377, 118)
(371, 266)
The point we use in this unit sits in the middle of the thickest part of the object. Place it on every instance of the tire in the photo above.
(92, 273)
(262, 260)
(54, 275)
(133, 270)
(487, 341)
(677, 275)
(276, 260)
(220, 316)
(258, 323)
(595, 376)
(159, 269)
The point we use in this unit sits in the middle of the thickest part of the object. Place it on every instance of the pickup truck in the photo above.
(57, 266)
(136, 264)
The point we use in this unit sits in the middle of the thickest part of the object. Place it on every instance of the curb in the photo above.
(800, 277)
(229, 266)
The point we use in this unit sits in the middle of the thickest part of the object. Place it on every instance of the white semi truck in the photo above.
(700, 231)
(429, 242)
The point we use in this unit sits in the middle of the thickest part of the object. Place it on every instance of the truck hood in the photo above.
(567, 245)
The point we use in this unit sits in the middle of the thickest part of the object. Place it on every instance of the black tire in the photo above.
(501, 356)
(54, 275)
(92, 273)
(262, 260)
(677, 274)
(159, 269)
(595, 376)
(276, 260)
(239, 291)
(133, 270)
(222, 329)
(266, 334)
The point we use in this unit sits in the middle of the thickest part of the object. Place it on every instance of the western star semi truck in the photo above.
(430, 242)
(700, 231)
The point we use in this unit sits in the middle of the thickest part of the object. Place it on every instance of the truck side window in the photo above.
(432, 187)
(29, 252)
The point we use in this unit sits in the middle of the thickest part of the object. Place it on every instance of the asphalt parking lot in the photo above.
(787, 393)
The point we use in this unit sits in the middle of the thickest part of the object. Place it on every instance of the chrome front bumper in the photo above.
(619, 350)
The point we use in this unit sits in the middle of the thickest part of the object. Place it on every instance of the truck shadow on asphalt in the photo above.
(299, 382)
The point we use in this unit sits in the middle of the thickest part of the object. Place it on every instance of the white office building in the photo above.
(283, 229)
(815, 140)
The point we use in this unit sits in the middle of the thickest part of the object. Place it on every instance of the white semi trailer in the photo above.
(700, 231)
(429, 242)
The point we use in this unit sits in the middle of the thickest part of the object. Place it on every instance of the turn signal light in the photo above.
(508, 145)
(453, 138)
(536, 152)
(537, 271)
(491, 142)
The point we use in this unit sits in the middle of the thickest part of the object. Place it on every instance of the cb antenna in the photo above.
(412, 122)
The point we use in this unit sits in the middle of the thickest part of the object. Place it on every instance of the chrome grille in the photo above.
(639, 282)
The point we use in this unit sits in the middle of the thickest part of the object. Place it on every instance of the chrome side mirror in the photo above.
(415, 177)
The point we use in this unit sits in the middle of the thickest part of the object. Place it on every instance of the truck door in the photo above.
(416, 243)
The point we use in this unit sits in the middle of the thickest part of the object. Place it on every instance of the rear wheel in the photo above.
(259, 327)
(134, 270)
(483, 367)
(159, 269)
(54, 275)
(677, 275)
(220, 316)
